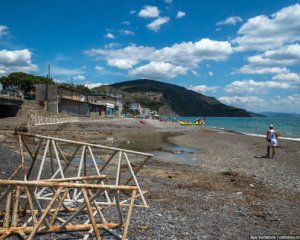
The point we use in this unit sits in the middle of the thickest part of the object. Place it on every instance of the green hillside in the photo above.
(182, 101)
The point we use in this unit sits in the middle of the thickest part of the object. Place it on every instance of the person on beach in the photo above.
(271, 141)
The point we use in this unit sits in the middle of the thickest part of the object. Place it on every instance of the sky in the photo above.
(244, 53)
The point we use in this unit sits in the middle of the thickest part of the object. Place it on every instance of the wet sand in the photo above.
(229, 191)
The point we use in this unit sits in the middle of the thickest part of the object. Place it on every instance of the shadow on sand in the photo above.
(264, 156)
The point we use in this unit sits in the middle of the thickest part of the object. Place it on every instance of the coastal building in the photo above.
(105, 104)
(135, 107)
(62, 99)
(146, 112)
(155, 96)
(66, 99)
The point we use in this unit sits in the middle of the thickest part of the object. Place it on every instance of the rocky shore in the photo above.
(228, 191)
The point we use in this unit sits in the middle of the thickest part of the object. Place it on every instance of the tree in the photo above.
(23, 81)
(82, 88)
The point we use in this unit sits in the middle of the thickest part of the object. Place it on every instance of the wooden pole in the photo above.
(38, 224)
(128, 215)
(7, 211)
(14, 219)
(87, 203)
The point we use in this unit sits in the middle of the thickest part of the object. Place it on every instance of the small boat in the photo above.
(196, 123)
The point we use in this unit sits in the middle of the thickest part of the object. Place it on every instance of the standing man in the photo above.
(271, 140)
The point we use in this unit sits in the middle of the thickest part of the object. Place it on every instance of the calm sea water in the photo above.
(289, 127)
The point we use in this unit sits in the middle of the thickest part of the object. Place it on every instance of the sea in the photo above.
(289, 127)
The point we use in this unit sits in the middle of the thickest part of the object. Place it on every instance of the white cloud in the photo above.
(98, 68)
(203, 88)
(180, 14)
(243, 101)
(263, 32)
(110, 36)
(158, 70)
(288, 77)
(122, 57)
(127, 32)
(251, 86)
(288, 103)
(16, 61)
(168, 1)
(287, 55)
(156, 24)
(276, 104)
(79, 77)
(3, 30)
(126, 23)
(249, 69)
(121, 63)
(132, 12)
(195, 73)
(112, 45)
(61, 71)
(56, 80)
(230, 21)
(189, 54)
(149, 12)
(186, 54)
(210, 73)
(93, 85)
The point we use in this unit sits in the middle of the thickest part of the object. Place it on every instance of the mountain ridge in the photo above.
(182, 101)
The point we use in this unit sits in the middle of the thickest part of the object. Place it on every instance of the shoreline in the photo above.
(254, 134)
(230, 192)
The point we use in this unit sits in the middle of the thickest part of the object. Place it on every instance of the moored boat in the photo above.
(185, 123)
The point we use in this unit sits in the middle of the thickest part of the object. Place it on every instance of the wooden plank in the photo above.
(93, 221)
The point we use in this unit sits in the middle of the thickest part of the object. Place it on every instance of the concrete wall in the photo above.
(73, 107)
(40, 92)
(52, 106)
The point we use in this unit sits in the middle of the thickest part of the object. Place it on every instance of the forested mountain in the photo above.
(182, 101)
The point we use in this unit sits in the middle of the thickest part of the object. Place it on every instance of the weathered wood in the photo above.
(80, 209)
(60, 203)
(89, 193)
(15, 172)
(42, 183)
(135, 180)
(138, 169)
(7, 211)
(38, 224)
(22, 158)
(92, 219)
(34, 158)
(14, 218)
(87, 144)
(128, 215)
(71, 179)
(57, 229)
(29, 198)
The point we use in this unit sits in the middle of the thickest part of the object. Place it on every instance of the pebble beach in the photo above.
(228, 191)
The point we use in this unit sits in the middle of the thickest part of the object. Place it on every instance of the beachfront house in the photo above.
(135, 107)
(105, 105)
(66, 99)
(146, 112)
(62, 99)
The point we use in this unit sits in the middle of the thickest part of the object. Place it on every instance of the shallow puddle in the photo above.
(157, 144)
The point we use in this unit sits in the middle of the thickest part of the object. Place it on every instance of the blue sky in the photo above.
(244, 53)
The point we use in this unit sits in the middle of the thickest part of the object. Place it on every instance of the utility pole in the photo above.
(49, 69)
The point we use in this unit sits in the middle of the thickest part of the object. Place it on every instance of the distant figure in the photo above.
(271, 140)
